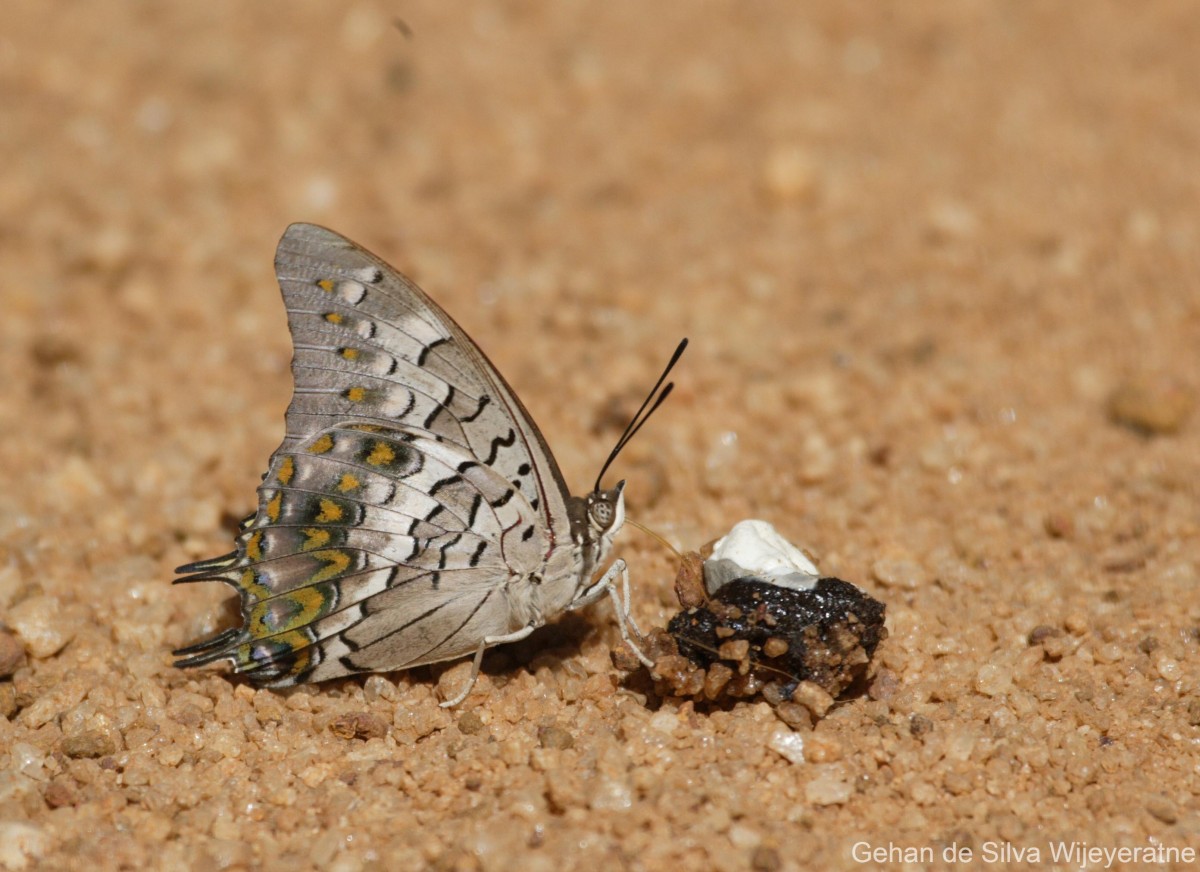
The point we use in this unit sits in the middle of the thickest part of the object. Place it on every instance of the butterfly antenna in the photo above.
(639, 419)
(661, 540)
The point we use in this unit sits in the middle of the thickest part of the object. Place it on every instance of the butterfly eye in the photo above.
(602, 513)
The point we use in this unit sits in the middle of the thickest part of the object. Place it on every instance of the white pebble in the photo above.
(1168, 668)
(992, 680)
(21, 843)
(898, 572)
(787, 744)
(832, 786)
(28, 760)
(39, 624)
(665, 722)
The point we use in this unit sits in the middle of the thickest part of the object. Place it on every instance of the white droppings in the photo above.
(756, 548)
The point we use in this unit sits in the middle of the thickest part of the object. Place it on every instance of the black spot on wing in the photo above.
(483, 401)
(408, 407)
(443, 483)
(346, 640)
(498, 443)
(445, 550)
(479, 549)
(428, 348)
(439, 408)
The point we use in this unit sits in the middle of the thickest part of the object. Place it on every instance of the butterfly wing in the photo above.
(411, 485)
(372, 346)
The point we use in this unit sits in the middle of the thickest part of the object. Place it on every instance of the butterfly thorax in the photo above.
(595, 521)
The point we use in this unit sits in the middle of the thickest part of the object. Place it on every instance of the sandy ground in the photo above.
(939, 263)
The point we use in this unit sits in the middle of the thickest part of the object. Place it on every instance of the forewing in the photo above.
(370, 346)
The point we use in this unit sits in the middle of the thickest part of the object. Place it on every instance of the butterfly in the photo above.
(413, 513)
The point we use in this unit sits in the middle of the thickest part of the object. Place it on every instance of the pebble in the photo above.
(993, 680)
(554, 736)
(1151, 406)
(1168, 668)
(41, 626)
(76, 479)
(689, 581)
(794, 715)
(721, 469)
(21, 844)
(1163, 809)
(1053, 641)
(664, 721)
(787, 744)
(609, 794)
(59, 794)
(765, 859)
(1059, 525)
(789, 174)
(822, 748)
(813, 697)
(12, 654)
(88, 744)
(743, 837)
(8, 700)
(11, 583)
(832, 786)
(898, 572)
(470, 723)
(359, 725)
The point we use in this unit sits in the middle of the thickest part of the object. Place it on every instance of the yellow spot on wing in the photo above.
(356, 394)
(286, 470)
(333, 317)
(381, 454)
(350, 353)
(314, 537)
(322, 444)
(349, 482)
(287, 612)
(330, 512)
(254, 546)
(326, 285)
(252, 586)
(336, 562)
(273, 506)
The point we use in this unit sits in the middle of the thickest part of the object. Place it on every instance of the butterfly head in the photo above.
(605, 512)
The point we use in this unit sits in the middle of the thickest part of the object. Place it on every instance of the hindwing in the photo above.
(372, 549)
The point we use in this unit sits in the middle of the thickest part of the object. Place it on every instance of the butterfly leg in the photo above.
(625, 620)
(488, 642)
